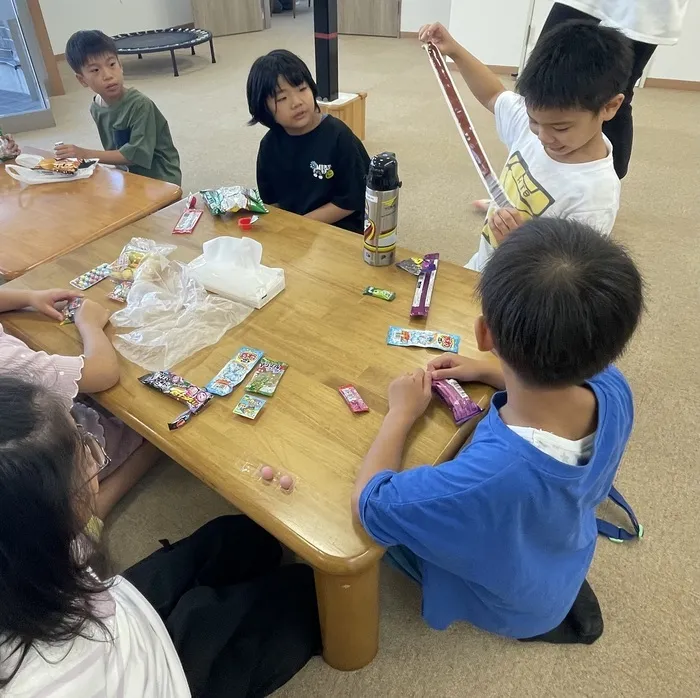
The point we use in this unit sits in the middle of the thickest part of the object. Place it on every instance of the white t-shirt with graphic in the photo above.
(649, 21)
(537, 185)
(139, 661)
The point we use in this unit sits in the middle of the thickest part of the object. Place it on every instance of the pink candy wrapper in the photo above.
(453, 395)
(353, 399)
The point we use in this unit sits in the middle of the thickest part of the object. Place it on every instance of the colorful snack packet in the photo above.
(234, 372)
(232, 199)
(177, 387)
(70, 310)
(462, 406)
(249, 406)
(92, 277)
(187, 221)
(120, 291)
(424, 285)
(353, 399)
(379, 293)
(412, 265)
(266, 377)
(401, 337)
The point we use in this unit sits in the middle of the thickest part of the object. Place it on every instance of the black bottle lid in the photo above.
(383, 172)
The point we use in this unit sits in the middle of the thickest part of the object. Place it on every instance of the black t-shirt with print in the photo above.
(303, 173)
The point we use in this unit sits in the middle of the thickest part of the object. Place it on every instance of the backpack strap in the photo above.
(615, 533)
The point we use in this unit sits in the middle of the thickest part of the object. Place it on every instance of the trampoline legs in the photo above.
(140, 56)
(211, 46)
(193, 53)
(175, 72)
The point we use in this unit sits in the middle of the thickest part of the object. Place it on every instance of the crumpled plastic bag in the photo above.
(172, 316)
(231, 267)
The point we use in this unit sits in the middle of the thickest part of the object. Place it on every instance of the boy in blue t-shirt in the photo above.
(503, 535)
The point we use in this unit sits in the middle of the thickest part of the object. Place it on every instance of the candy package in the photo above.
(249, 406)
(353, 399)
(133, 254)
(233, 199)
(181, 390)
(120, 292)
(92, 277)
(234, 372)
(70, 310)
(427, 339)
(412, 265)
(452, 393)
(267, 376)
(379, 293)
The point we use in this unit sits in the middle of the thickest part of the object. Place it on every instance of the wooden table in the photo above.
(330, 334)
(39, 222)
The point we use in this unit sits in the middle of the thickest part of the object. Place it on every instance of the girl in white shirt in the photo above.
(647, 23)
(216, 603)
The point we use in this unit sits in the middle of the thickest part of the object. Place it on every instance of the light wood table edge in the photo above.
(131, 218)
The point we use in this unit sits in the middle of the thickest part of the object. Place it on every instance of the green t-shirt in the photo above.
(135, 127)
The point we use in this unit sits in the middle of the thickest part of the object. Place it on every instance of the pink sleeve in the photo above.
(58, 373)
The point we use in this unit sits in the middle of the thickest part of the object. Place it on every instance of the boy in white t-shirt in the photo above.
(559, 162)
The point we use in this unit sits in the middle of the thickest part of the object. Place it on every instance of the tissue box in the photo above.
(230, 267)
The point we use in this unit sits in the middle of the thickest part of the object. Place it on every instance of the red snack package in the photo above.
(353, 399)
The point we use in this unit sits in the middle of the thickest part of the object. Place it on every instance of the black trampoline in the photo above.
(156, 40)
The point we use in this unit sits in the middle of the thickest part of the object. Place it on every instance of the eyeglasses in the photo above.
(94, 448)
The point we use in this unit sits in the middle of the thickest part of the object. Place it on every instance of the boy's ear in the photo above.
(81, 79)
(610, 109)
(484, 340)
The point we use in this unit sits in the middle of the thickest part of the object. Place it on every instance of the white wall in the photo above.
(493, 30)
(63, 17)
(682, 61)
(416, 13)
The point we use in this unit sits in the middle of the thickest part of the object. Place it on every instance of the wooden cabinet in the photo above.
(223, 17)
(369, 17)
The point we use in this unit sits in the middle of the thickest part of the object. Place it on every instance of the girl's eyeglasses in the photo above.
(94, 448)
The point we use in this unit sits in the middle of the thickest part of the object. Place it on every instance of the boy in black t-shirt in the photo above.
(308, 163)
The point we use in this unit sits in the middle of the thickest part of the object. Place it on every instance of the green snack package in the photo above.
(266, 377)
(232, 199)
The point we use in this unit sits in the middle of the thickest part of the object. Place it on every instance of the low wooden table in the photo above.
(330, 334)
(39, 222)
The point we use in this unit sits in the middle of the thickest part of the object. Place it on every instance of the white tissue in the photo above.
(230, 267)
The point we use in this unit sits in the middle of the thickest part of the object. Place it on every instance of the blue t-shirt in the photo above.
(505, 533)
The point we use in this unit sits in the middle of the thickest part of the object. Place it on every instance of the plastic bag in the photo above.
(231, 268)
(172, 315)
(133, 253)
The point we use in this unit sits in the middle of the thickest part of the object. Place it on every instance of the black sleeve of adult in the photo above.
(351, 163)
(266, 187)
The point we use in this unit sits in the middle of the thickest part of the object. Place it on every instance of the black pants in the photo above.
(242, 625)
(619, 129)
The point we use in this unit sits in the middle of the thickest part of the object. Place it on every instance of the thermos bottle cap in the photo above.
(383, 172)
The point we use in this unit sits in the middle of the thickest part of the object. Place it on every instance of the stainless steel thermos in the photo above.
(382, 210)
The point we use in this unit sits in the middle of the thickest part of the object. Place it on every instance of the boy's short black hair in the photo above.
(561, 301)
(577, 65)
(263, 82)
(86, 44)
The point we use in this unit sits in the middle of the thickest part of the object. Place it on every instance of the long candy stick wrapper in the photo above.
(234, 372)
(453, 395)
(466, 130)
(424, 285)
(175, 386)
(404, 337)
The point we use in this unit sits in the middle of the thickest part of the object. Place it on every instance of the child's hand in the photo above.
(91, 314)
(45, 301)
(503, 221)
(11, 149)
(458, 367)
(438, 35)
(67, 150)
(410, 394)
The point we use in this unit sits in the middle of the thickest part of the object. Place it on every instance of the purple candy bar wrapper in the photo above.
(452, 393)
(424, 285)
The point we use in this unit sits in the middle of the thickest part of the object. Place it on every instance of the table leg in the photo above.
(348, 608)
(193, 53)
(172, 55)
(211, 46)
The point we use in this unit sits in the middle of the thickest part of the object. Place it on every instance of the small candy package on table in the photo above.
(233, 199)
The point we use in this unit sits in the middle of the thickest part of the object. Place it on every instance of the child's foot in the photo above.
(481, 205)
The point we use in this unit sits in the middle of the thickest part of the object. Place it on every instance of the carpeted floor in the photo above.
(649, 590)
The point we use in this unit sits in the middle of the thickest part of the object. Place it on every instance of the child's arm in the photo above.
(328, 213)
(484, 85)
(467, 370)
(409, 396)
(109, 157)
(43, 301)
(100, 365)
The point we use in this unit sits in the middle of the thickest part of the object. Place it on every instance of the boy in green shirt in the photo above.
(132, 129)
